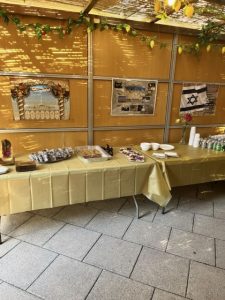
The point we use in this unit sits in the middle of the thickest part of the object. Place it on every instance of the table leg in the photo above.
(164, 210)
(0, 232)
(137, 207)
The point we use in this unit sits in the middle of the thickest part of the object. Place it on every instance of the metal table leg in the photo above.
(137, 207)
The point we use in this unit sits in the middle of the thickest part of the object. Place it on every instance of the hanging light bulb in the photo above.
(171, 2)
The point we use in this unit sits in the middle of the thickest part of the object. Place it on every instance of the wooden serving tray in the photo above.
(7, 161)
(24, 166)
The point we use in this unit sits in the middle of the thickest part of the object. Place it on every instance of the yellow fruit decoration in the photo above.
(223, 50)
(177, 5)
(208, 48)
(157, 6)
(189, 10)
(180, 49)
(152, 44)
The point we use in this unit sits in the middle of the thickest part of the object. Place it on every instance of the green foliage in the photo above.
(210, 33)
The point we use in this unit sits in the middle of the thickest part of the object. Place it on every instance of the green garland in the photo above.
(209, 33)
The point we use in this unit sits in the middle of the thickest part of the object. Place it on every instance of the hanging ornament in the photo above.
(157, 6)
(223, 50)
(152, 44)
(189, 10)
(180, 49)
(177, 5)
(208, 48)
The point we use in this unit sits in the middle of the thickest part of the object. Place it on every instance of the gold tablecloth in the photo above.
(193, 166)
(74, 181)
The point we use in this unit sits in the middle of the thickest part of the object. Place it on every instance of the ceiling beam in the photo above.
(89, 6)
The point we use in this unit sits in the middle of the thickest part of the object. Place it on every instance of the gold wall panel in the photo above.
(128, 137)
(34, 141)
(120, 55)
(175, 134)
(78, 109)
(218, 118)
(102, 107)
(23, 52)
(208, 66)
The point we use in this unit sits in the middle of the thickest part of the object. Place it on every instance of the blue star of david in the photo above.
(192, 100)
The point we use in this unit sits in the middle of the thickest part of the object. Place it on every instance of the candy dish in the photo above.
(145, 146)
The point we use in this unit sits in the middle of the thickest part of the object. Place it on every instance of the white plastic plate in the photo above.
(166, 147)
(3, 170)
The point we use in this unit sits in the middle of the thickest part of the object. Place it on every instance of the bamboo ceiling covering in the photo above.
(133, 10)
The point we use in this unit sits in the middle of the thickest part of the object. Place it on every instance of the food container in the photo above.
(145, 146)
(92, 154)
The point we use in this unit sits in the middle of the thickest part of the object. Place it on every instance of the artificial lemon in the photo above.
(223, 50)
(180, 49)
(189, 10)
(157, 6)
(152, 44)
(208, 48)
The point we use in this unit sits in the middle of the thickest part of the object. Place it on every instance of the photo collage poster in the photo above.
(40, 99)
(199, 99)
(133, 97)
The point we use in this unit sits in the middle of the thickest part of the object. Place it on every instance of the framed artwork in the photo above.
(40, 99)
(133, 97)
(199, 99)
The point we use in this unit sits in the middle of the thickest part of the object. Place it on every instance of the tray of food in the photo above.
(52, 155)
(92, 154)
(132, 154)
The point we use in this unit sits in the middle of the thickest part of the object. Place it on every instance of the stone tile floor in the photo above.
(100, 251)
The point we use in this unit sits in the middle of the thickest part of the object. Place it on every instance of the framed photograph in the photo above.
(133, 97)
(40, 99)
(199, 99)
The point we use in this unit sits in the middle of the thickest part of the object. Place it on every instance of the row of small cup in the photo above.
(148, 146)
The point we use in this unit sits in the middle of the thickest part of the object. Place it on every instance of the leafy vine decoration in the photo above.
(206, 38)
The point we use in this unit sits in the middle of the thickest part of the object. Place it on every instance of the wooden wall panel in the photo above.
(120, 55)
(207, 67)
(218, 118)
(78, 114)
(128, 137)
(22, 52)
(175, 134)
(102, 107)
(30, 142)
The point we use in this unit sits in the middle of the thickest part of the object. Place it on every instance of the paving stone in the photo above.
(219, 205)
(65, 279)
(175, 218)
(148, 234)
(8, 244)
(200, 206)
(110, 223)
(76, 214)
(37, 230)
(193, 246)
(209, 226)
(113, 255)
(147, 209)
(23, 264)
(72, 241)
(162, 270)
(49, 212)
(11, 222)
(162, 295)
(206, 282)
(8, 292)
(114, 287)
(112, 205)
(220, 254)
